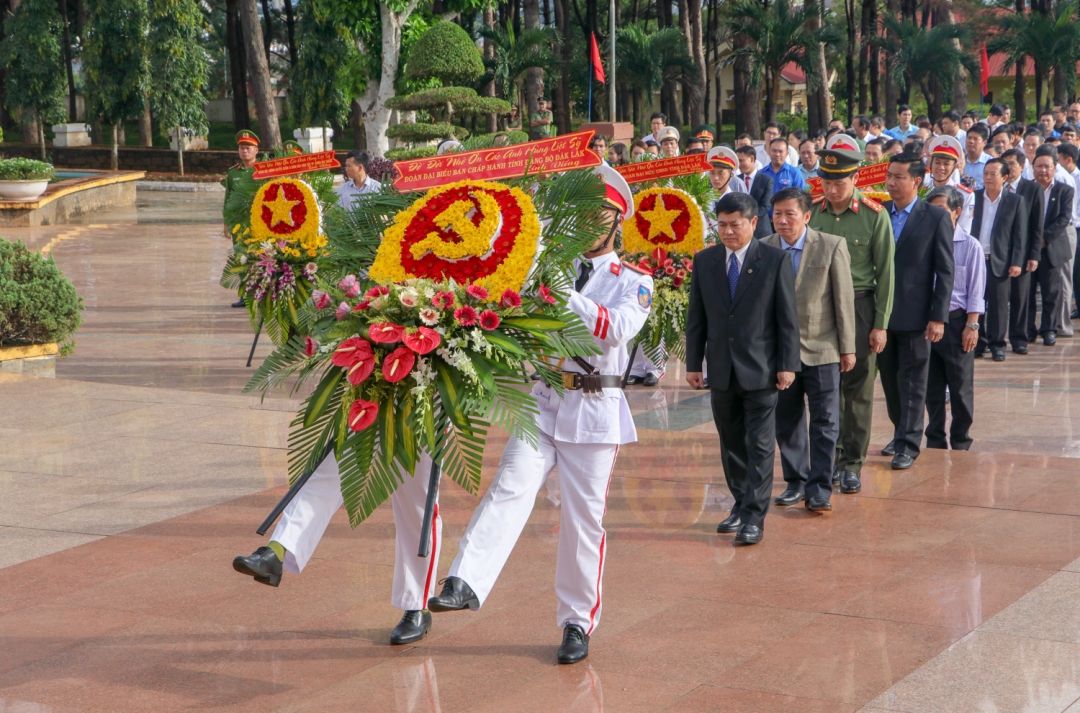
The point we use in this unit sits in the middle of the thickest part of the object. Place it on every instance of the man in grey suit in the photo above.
(826, 304)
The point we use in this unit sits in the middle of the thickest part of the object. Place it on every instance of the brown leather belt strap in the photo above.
(580, 382)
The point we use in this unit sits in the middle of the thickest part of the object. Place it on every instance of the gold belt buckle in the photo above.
(571, 380)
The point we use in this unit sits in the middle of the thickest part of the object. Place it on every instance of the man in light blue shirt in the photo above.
(783, 174)
(906, 128)
(899, 218)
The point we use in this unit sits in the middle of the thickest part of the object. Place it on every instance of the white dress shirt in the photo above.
(738, 183)
(989, 214)
(1060, 175)
(348, 191)
(764, 159)
(740, 254)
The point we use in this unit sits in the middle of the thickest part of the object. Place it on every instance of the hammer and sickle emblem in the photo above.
(476, 240)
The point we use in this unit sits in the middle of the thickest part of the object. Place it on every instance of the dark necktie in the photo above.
(746, 176)
(583, 277)
(733, 275)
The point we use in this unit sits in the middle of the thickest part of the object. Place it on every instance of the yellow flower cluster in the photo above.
(305, 238)
(660, 221)
(476, 242)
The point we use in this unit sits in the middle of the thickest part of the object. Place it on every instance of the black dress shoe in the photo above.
(634, 381)
(238, 304)
(818, 503)
(836, 475)
(999, 354)
(791, 496)
(1049, 339)
(731, 524)
(850, 483)
(749, 534)
(902, 461)
(455, 596)
(412, 627)
(575, 645)
(535, 376)
(262, 564)
(650, 380)
(704, 383)
(888, 450)
(1020, 349)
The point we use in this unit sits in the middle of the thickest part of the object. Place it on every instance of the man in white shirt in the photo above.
(359, 182)
(945, 154)
(656, 122)
(1033, 139)
(772, 131)
(976, 157)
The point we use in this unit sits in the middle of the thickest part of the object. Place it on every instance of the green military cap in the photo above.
(840, 157)
(705, 131)
(292, 147)
(247, 137)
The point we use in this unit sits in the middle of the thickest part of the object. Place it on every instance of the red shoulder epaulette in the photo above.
(964, 188)
(871, 204)
(819, 199)
(635, 268)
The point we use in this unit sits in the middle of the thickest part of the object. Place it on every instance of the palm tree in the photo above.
(927, 57)
(1049, 39)
(777, 34)
(515, 54)
(647, 60)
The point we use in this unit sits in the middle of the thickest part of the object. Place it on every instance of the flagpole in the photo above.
(611, 66)
(590, 89)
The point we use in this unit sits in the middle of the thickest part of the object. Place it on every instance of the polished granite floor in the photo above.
(128, 483)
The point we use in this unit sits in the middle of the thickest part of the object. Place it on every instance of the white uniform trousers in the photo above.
(305, 519)
(1065, 306)
(584, 476)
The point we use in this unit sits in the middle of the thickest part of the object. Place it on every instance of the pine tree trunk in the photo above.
(818, 109)
(259, 70)
(1020, 85)
(849, 59)
(72, 106)
(268, 33)
(875, 60)
(534, 76)
(234, 45)
(180, 150)
(489, 53)
(290, 27)
(864, 53)
(29, 128)
(1060, 90)
(146, 127)
(562, 106)
(41, 135)
(114, 157)
(892, 94)
(696, 105)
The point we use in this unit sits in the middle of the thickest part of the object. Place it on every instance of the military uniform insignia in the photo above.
(616, 268)
(633, 267)
(871, 204)
(644, 297)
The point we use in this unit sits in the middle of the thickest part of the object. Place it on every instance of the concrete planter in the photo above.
(22, 190)
(35, 360)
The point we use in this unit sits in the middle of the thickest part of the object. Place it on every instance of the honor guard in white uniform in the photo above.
(945, 153)
(580, 433)
(305, 519)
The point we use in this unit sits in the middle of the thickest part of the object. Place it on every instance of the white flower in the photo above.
(429, 316)
(243, 259)
(409, 297)
(429, 292)
(379, 302)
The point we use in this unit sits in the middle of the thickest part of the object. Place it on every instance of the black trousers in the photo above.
(903, 365)
(952, 367)
(806, 454)
(1048, 280)
(994, 325)
(1019, 294)
(746, 421)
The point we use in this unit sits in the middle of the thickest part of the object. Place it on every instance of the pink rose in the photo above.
(545, 294)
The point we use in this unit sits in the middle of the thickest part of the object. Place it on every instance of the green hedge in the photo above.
(407, 154)
(418, 133)
(447, 53)
(38, 305)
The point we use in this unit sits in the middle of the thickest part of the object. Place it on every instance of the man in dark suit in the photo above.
(1032, 193)
(1057, 212)
(742, 305)
(755, 184)
(1000, 225)
(922, 287)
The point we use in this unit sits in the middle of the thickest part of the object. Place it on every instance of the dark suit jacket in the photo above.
(752, 337)
(1032, 192)
(1008, 236)
(761, 190)
(923, 267)
(1059, 213)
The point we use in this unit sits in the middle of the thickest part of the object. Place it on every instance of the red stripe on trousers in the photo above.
(603, 541)
(434, 549)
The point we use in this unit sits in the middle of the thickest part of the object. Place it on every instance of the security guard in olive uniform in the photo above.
(247, 147)
(844, 211)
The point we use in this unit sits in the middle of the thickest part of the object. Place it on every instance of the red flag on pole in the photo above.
(984, 70)
(594, 59)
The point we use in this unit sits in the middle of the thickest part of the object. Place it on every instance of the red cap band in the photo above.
(615, 198)
(947, 152)
(722, 162)
(842, 146)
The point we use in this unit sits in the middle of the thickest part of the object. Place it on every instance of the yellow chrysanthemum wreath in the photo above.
(291, 216)
(672, 221)
(508, 225)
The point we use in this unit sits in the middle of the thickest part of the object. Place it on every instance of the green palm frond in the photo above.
(647, 59)
(923, 52)
(778, 34)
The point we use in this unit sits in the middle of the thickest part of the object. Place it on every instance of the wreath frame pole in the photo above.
(255, 342)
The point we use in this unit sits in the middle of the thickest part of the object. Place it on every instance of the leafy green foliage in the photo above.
(25, 169)
(407, 154)
(485, 141)
(115, 67)
(435, 98)
(1051, 40)
(318, 86)
(648, 59)
(446, 53)
(516, 53)
(35, 80)
(38, 305)
(181, 70)
(416, 133)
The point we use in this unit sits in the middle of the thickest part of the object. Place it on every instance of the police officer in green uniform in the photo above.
(291, 148)
(247, 147)
(844, 211)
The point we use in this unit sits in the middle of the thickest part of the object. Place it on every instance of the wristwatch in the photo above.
(973, 326)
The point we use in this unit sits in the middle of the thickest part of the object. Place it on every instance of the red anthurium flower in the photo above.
(386, 332)
(310, 346)
(659, 255)
(423, 340)
(465, 316)
(362, 414)
(320, 298)
(489, 320)
(545, 294)
(397, 364)
(361, 369)
(351, 351)
(510, 299)
(477, 292)
(645, 265)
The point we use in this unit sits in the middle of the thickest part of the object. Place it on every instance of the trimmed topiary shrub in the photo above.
(407, 154)
(38, 305)
(447, 53)
(25, 169)
(416, 133)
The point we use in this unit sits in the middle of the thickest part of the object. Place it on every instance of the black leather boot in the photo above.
(262, 564)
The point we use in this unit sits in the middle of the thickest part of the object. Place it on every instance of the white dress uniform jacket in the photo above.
(968, 213)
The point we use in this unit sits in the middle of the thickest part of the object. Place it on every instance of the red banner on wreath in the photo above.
(871, 175)
(562, 153)
(291, 165)
(664, 168)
